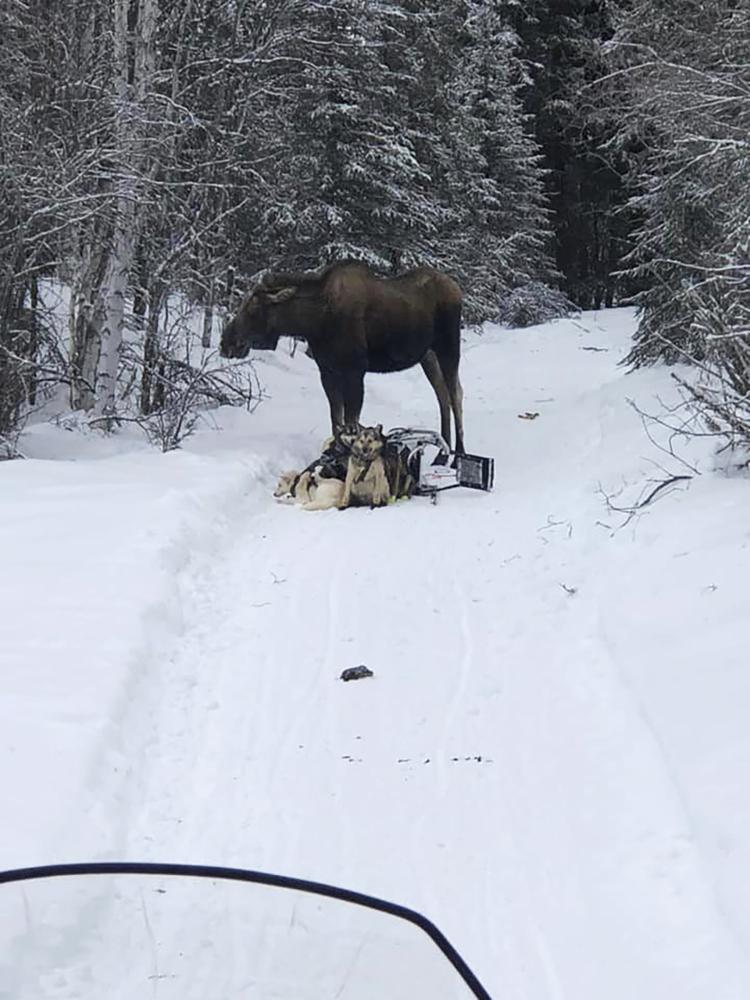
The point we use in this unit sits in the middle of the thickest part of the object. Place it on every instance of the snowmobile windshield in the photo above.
(172, 932)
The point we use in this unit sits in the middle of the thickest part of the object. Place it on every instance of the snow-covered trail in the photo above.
(551, 759)
(498, 771)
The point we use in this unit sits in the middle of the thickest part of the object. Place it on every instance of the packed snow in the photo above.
(551, 760)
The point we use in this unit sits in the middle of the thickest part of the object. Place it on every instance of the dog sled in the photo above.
(363, 466)
(435, 468)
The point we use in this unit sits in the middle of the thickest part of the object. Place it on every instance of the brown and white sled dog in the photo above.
(366, 483)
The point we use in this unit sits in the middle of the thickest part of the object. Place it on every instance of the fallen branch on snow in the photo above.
(633, 509)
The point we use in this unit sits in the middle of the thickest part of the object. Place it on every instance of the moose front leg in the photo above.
(354, 392)
(334, 390)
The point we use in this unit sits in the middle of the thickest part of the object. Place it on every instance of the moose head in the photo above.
(258, 323)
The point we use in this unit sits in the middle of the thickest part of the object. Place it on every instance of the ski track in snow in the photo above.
(500, 771)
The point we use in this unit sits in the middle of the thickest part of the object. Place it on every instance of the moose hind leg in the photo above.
(457, 400)
(431, 368)
(449, 368)
(447, 347)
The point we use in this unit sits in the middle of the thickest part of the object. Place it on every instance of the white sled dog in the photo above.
(316, 492)
(285, 487)
(311, 490)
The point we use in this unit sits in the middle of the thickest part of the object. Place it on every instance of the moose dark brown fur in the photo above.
(356, 322)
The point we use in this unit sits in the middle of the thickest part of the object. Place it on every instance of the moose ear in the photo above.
(281, 296)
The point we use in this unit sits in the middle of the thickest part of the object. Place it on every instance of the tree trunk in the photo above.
(150, 394)
(129, 155)
(33, 338)
(86, 267)
(85, 336)
(208, 317)
(114, 291)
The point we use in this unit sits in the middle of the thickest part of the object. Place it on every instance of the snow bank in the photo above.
(93, 555)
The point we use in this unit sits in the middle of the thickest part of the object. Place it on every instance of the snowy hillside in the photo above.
(552, 758)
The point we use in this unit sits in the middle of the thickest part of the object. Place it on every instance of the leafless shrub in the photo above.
(13, 395)
(183, 390)
(716, 393)
(723, 411)
(31, 368)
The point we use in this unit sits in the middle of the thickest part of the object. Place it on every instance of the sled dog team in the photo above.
(357, 468)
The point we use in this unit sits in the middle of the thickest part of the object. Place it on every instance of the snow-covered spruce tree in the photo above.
(499, 236)
(462, 107)
(561, 48)
(408, 145)
(688, 90)
(688, 75)
(350, 183)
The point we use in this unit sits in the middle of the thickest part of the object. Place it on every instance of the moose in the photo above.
(355, 321)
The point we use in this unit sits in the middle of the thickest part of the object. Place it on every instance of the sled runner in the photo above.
(436, 468)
